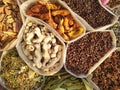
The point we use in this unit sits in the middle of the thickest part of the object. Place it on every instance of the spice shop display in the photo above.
(83, 54)
(57, 16)
(93, 13)
(10, 23)
(59, 45)
(107, 75)
(17, 75)
(40, 48)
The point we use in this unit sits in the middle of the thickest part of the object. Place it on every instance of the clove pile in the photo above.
(87, 51)
(107, 75)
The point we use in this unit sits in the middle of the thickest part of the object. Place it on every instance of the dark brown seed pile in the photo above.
(113, 3)
(91, 11)
(107, 75)
(88, 50)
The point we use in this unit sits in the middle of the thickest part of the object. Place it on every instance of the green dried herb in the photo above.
(64, 81)
(16, 74)
(116, 29)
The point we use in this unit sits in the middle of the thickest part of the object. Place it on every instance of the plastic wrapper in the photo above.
(88, 26)
(106, 75)
(75, 48)
(15, 74)
(47, 57)
(65, 37)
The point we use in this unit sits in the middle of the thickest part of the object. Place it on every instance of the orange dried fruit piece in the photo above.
(49, 5)
(75, 33)
(60, 12)
(7, 10)
(2, 17)
(12, 34)
(65, 37)
(51, 21)
(66, 23)
(38, 8)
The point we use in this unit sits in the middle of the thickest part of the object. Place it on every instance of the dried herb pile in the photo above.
(88, 50)
(64, 81)
(10, 22)
(113, 3)
(116, 29)
(107, 75)
(58, 17)
(17, 75)
(91, 11)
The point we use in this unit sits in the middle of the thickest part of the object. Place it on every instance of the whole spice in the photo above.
(17, 75)
(42, 47)
(116, 29)
(113, 3)
(107, 75)
(116, 11)
(91, 11)
(64, 81)
(87, 51)
(10, 23)
(57, 17)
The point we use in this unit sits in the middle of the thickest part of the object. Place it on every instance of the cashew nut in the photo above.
(26, 52)
(38, 56)
(30, 47)
(37, 31)
(54, 60)
(29, 37)
(38, 40)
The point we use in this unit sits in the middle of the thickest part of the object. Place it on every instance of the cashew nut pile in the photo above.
(41, 47)
(57, 17)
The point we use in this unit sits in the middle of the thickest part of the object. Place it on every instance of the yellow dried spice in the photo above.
(17, 75)
(10, 23)
(57, 17)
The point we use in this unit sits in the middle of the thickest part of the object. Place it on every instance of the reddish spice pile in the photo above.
(91, 11)
(107, 75)
(88, 50)
(113, 3)
(58, 17)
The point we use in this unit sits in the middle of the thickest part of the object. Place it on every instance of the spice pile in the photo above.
(57, 17)
(10, 23)
(42, 47)
(107, 75)
(17, 75)
(91, 11)
(87, 51)
(116, 29)
(64, 81)
(113, 3)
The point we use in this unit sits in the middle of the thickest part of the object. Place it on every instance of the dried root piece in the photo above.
(51, 22)
(60, 12)
(41, 47)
